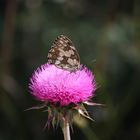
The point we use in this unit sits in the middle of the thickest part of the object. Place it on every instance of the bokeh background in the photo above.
(106, 34)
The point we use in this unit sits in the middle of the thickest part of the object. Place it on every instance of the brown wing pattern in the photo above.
(63, 54)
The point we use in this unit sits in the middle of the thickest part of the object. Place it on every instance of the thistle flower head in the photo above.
(62, 84)
(57, 86)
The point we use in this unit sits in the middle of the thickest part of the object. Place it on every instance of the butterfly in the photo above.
(63, 54)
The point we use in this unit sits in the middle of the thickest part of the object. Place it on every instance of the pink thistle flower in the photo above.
(57, 86)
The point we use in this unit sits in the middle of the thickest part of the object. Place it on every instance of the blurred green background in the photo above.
(106, 34)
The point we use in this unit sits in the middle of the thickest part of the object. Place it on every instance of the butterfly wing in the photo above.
(63, 54)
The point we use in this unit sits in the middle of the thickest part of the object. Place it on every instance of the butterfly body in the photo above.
(63, 54)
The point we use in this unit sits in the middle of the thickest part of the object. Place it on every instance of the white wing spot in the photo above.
(57, 62)
(75, 61)
(52, 50)
(61, 54)
(66, 41)
(49, 55)
(70, 61)
(60, 58)
(61, 41)
(72, 47)
(65, 66)
(69, 53)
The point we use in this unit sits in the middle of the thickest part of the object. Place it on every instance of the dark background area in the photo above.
(106, 34)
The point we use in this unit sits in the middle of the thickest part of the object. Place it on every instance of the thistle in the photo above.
(63, 85)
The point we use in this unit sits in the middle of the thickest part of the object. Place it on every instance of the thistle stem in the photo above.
(66, 130)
